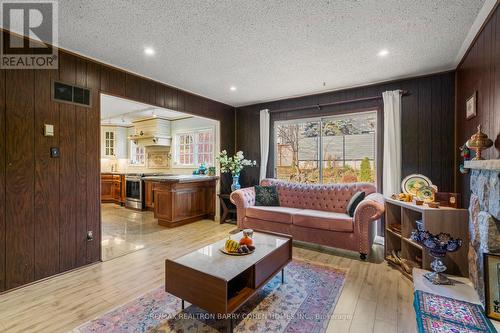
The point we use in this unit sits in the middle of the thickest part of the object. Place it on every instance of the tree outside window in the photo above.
(339, 149)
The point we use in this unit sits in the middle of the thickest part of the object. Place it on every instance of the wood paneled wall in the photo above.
(3, 145)
(47, 205)
(427, 124)
(480, 71)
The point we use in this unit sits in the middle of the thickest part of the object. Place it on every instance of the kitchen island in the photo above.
(181, 199)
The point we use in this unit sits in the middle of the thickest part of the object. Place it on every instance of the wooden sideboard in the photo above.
(180, 200)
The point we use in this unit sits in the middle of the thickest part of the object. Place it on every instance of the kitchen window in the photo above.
(334, 149)
(137, 154)
(194, 147)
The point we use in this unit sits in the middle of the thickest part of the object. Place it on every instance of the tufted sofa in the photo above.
(315, 213)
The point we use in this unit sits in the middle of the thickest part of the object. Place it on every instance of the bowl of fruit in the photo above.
(241, 248)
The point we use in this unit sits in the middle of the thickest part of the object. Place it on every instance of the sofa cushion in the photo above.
(319, 219)
(266, 196)
(272, 213)
(354, 202)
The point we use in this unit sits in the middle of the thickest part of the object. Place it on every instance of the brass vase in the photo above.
(478, 142)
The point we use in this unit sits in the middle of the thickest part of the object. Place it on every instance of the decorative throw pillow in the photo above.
(266, 196)
(354, 202)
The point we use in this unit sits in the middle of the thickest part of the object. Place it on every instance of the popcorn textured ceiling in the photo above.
(268, 49)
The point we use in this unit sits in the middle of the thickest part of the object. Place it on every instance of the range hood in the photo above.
(151, 132)
(151, 140)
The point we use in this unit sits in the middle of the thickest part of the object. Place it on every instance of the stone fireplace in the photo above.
(484, 217)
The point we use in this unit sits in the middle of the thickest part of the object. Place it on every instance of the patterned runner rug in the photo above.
(439, 314)
(305, 303)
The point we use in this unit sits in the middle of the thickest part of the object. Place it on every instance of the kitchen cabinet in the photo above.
(117, 188)
(114, 142)
(148, 194)
(113, 188)
(123, 195)
(107, 188)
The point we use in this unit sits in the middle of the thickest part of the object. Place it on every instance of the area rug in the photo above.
(439, 314)
(304, 303)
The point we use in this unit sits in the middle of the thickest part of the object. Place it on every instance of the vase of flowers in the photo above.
(236, 183)
(234, 165)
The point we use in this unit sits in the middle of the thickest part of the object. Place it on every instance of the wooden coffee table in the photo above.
(221, 283)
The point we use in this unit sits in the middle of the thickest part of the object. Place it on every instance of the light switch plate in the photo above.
(48, 130)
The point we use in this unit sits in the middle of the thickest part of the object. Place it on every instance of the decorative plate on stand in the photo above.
(426, 193)
(412, 183)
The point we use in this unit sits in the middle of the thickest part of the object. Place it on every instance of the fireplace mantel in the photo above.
(483, 164)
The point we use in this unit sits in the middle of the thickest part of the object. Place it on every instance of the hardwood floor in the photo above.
(375, 297)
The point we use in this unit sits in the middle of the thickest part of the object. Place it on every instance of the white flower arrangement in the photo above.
(233, 164)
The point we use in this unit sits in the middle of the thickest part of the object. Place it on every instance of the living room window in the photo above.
(195, 147)
(333, 149)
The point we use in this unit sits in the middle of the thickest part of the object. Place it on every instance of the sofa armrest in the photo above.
(242, 199)
(370, 209)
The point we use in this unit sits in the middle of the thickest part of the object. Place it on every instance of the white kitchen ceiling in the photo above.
(120, 111)
(269, 49)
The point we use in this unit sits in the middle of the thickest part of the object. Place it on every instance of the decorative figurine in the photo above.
(202, 169)
(478, 142)
(465, 153)
(437, 245)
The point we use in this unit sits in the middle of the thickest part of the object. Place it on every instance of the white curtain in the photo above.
(392, 143)
(264, 142)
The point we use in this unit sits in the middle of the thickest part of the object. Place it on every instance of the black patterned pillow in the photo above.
(266, 196)
(354, 202)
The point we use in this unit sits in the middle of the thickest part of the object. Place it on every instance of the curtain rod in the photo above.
(319, 106)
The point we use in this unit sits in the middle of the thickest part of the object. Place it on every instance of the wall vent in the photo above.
(68, 93)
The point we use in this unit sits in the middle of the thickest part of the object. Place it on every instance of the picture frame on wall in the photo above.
(492, 285)
(470, 106)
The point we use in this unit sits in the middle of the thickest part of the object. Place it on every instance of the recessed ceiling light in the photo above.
(383, 52)
(149, 51)
(232, 88)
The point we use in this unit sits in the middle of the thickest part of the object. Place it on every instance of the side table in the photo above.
(226, 210)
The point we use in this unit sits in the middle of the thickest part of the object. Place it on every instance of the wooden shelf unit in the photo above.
(435, 220)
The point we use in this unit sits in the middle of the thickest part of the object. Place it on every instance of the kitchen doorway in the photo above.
(137, 141)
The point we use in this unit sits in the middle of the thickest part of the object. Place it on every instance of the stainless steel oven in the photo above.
(134, 191)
